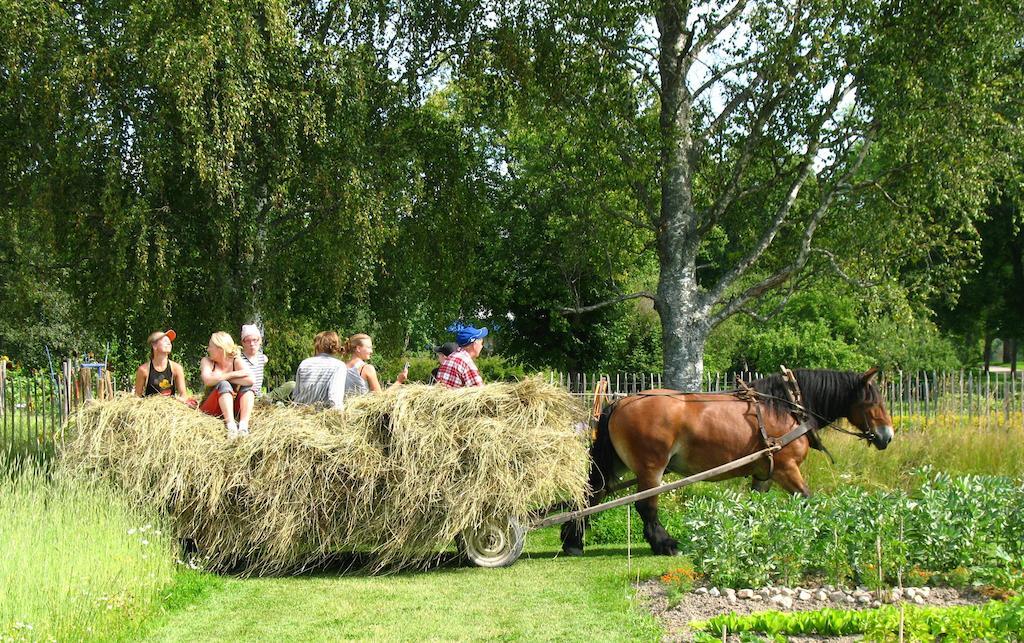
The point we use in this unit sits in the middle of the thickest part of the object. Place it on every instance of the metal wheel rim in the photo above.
(493, 542)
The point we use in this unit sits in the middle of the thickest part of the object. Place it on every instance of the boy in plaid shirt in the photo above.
(459, 369)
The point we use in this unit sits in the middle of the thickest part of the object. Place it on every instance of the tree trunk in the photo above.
(684, 333)
(683, 312)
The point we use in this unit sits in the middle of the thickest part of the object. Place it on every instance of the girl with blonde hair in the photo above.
(362, 377)
(228, 383)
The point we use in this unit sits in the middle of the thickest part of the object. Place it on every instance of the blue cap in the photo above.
(465, 335)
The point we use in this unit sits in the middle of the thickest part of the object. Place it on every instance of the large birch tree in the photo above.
(855, 137)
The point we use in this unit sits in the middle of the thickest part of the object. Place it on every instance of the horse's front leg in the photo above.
(787, 474)
(661, 543)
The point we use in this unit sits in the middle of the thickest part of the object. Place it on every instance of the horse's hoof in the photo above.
(572, 551)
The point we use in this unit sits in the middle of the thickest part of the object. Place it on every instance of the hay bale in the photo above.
(398, 474)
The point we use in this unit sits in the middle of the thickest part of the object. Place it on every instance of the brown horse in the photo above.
(688, 433)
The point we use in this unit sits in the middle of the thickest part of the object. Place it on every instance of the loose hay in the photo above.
(398, 475)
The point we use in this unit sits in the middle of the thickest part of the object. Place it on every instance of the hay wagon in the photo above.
(395, 478)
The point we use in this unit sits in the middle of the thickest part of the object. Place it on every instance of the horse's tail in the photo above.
(602, 454)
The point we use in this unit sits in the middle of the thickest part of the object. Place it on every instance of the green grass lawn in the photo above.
(541, 597)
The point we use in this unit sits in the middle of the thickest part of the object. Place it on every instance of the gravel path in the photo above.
(704, 603)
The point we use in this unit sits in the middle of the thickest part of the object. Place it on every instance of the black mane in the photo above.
(827, 394)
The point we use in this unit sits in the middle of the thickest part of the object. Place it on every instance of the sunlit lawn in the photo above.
(541, 597)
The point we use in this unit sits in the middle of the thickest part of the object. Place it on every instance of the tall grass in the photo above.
(966, 447)
(76, 561)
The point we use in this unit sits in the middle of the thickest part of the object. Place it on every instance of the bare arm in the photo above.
(207, 373)
(241, 375)
(370, 375)
(141, 373)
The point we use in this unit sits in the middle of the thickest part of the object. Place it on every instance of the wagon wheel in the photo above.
(494, 542)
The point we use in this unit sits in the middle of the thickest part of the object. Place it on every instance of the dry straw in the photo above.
(396, 475)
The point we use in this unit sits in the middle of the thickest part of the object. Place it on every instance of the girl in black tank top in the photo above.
(159, 382)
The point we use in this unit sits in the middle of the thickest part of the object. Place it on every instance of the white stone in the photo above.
(745, 593)
(764, 592)
(732, 599)
(730, 592)
(911, 592)
(782, 601)
(924, 591)
(918, 599)
(863, 599)
(837, 596)
(714, 592)
(785, 591)
(896, 595)
(804, 595)
(876, 604)
(701, 591)
(850, 599)
(821, 595)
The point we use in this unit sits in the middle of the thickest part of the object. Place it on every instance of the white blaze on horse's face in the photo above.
(869, 415)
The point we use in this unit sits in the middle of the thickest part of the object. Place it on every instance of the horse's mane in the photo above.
(827, 394)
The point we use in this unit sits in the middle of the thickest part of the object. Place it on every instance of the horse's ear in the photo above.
(869, 375)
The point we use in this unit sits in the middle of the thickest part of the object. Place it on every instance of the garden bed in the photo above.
(676, 611)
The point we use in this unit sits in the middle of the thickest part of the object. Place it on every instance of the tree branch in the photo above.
(758, 289)
(716, 28)
(842, 274)
(723, 117)
(740, 167)
(719, 74)
(603, 304)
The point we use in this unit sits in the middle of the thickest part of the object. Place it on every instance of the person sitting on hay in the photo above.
(362, 377)
(459, 369)
(253, 357)
(442, 352)
(320, 380)
(160, 376)
(228, 384)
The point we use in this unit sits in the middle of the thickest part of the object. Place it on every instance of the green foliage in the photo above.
(811, 344)
(741, 539)
(911, 345)
(992, 621)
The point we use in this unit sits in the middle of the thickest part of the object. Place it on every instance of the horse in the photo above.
(687, 433)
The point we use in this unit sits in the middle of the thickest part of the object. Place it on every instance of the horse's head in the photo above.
(868, 413)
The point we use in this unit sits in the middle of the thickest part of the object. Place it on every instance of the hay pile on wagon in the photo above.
(396, 475)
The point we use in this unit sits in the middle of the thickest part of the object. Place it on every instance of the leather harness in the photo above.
(796, 403)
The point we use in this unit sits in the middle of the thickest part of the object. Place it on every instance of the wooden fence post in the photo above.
(66, 387)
